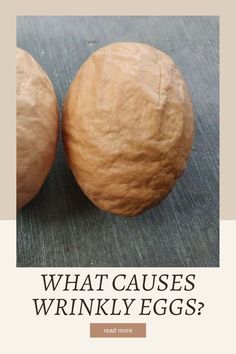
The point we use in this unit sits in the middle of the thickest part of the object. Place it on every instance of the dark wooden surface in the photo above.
(61, 227)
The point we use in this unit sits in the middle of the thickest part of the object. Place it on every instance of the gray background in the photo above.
(61, 227)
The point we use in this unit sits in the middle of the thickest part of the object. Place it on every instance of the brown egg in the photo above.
(37, 126)
(128, 127)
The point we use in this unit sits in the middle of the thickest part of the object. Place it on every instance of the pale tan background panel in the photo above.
(226, 9)
(123, 7)
(8, 118)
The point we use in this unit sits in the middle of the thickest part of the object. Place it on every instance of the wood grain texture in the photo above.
(61, 227)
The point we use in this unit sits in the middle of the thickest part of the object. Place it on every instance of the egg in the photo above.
(128, 127)
(37, 126)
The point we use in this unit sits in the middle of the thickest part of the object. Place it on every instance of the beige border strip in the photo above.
(8, 109)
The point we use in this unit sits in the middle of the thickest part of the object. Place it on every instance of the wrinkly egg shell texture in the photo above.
(127, 127)
(37, 126)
